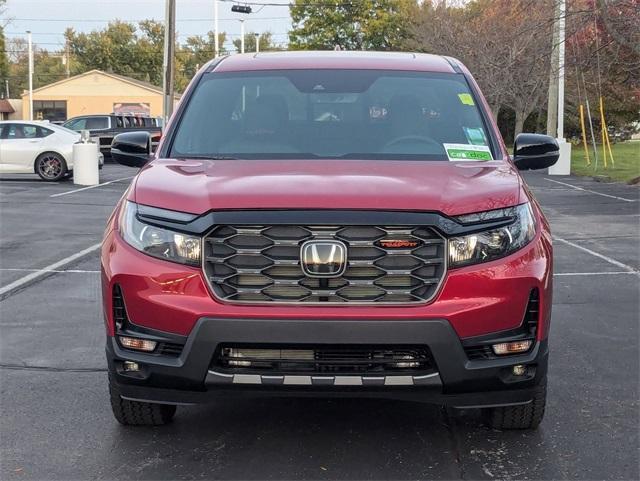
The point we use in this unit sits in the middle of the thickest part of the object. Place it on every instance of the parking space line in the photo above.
(591, 191)
(60, 271)
(21, 182)
(597, 254)
(33, 276)
(59, 194)
(612, 273)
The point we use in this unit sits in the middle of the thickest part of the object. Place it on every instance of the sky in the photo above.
(48, 19)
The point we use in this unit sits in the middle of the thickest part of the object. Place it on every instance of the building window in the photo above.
(51, 110)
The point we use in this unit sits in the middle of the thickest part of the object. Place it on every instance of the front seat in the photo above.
(265, 128)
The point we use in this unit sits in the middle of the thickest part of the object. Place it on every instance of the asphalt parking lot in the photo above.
(55, 419)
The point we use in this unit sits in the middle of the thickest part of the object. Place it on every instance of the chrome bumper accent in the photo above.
(215, 377)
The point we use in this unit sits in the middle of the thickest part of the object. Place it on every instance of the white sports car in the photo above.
(40, 147)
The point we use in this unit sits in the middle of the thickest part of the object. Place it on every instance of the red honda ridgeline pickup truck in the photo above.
(329, 224)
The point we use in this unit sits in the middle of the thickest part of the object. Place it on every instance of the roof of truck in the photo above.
(405, 61)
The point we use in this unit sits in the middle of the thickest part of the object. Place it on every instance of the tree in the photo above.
(4, 61)
(48, 66)
(503, 42)
(508, 44)
(119, 48)
(196, 51)
(353, 25)
(266, 42)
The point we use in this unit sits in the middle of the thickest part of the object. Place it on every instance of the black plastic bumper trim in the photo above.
(464, 383)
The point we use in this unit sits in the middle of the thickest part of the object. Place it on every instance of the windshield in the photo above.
(64, 128)
(305, 114)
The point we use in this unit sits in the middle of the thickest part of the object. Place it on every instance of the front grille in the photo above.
(343, 359)
(254, 263)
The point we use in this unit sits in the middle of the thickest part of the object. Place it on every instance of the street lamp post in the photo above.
(245, 9)
(30, 44)
(168, 83)
(215, 29)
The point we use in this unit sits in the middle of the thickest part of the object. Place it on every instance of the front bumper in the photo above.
(459, 382)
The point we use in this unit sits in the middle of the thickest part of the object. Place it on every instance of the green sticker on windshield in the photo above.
(466, 99)
(467, 152)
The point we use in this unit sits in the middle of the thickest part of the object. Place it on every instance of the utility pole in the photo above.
(552, 100)
(561, 44)
(168, 63)
(216, 42)
(242, 35)
(563, 165)
(6, 88)
(257, 42)
(67, 60)
(30, 44)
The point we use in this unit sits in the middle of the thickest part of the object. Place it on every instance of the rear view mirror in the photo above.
(535, 151)
(132, 149)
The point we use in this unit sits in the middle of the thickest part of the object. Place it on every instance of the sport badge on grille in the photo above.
(323, 258)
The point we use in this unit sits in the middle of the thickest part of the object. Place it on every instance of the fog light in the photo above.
(519, 370)
(512, 347)
(137, 344)
(130, 366)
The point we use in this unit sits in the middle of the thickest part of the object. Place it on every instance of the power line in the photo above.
(95, 20)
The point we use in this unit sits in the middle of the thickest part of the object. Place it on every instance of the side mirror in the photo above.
(535, 151)
(132, 149)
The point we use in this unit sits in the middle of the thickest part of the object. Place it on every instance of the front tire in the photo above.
(51, 167)
(138, 413)
(526, 416)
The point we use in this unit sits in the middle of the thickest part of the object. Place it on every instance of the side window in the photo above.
(2, 127)
(30, 131)
(14, 131)
(77, 124)
(119, 122)
(97, 123)
(42, 132)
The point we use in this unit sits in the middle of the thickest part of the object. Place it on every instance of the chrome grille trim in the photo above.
(260, 264)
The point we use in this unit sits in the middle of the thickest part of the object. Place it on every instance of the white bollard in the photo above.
(563, 166)
(85, 161)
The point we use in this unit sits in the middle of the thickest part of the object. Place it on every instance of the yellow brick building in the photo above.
(93, 92)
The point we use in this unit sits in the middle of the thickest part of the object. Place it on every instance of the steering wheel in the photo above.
(405, 139)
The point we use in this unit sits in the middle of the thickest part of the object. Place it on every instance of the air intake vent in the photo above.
(119, 312)
(532, 314)
(170, 349)
(325, 359)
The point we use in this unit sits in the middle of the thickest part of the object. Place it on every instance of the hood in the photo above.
(453, 188)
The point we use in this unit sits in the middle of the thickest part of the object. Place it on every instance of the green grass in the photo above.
(626, 156)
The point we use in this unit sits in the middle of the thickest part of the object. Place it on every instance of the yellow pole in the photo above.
(606, 135)
(603, 127)
(584, 135)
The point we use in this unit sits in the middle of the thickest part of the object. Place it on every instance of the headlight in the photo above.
(156, 241)
(492, 244)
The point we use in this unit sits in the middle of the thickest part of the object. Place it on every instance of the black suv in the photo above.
(106, 127)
